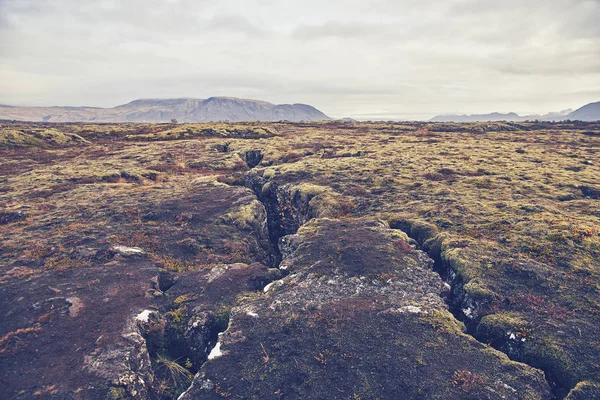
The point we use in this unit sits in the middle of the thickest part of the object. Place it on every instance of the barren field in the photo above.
(300, 261)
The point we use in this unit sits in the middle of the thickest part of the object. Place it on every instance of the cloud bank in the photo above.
(380, 59)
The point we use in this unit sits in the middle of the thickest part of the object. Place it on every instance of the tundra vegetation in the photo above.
(300, 260)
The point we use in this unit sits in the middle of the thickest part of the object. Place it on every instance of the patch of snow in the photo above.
(128, 251)
(283, 267)
(215, 352)
(144, 315)
(266, 289)
(182, 395)
(468, 312)
(510, 388)
(512, 336)
(252, 314)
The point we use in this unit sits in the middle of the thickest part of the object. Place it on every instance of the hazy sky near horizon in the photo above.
(380, 59)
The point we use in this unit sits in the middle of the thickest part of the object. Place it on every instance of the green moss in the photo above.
(548, 356)
(37, 137)
(179, 315)
(478, 291)
(444, 322)
(191, 131)
(116, 393)
(418, 229)
(497, 326)
(462, 266)
(433, 246)
(585, 390)
(247, 216)
(307, 191)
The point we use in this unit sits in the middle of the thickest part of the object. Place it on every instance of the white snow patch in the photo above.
(510, 388)
(215, 352)
(468, 312)
(184, 394)
(128, 251)
(144, 315)
(252, 314)
(512, 336)
(266, 289)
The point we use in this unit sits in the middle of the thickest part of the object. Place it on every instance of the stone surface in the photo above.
(358, 315)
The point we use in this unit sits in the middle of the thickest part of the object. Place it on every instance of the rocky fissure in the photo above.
(286, 211)
(253, 158)
(312, 284)
(167, 337)
(320, 274)
(470, 310)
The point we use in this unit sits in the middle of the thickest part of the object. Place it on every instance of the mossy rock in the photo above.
(41, 137)
(462, 266)
(418, 229)
(477, 290)
(499, 326)
(586, 390)
(546, 355)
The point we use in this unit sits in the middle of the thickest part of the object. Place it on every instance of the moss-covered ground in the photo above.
(512, 210)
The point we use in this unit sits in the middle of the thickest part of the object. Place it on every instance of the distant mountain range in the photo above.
(164, 110)
(589, 112)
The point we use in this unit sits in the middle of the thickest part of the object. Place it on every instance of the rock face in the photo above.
(105, 319)
(164, 110)
(352, 320)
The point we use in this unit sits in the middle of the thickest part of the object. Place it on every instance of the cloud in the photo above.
(343, 30)
(351, 57)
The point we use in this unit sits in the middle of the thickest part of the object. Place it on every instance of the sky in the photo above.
(378, 59)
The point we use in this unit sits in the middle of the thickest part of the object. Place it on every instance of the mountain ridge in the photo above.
(212, 109)
(588, 112)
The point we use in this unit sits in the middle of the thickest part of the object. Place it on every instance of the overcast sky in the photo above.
(379, 59)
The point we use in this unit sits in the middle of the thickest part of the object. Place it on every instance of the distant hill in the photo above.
(164, 110)
(589, 112)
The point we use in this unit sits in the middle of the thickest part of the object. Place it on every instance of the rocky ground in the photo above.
(324, 260)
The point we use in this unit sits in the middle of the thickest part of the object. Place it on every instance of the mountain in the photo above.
(589, 112)
(164, 110)
(553, 116)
